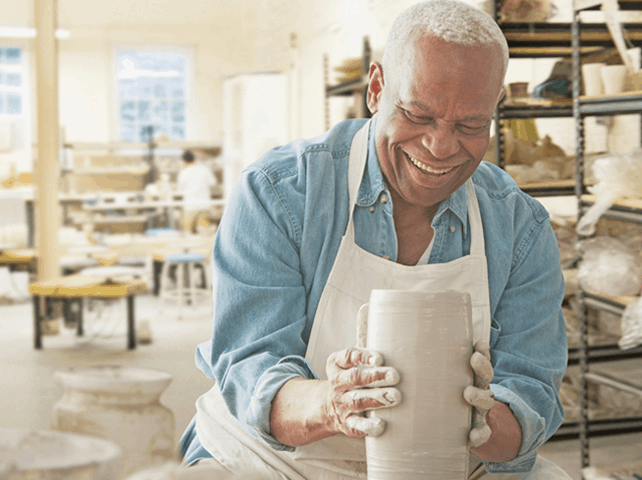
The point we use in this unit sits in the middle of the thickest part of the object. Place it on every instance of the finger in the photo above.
(373, 398)
(479, 398)
(371, 426)
(362, 326)
(483, 369)
(371, 377)
(479, 436)
(483, 347)
(351, 357)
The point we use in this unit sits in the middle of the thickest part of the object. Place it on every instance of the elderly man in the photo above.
(401, 201)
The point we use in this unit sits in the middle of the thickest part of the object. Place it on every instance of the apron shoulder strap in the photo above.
(356, 167)
(477, 245)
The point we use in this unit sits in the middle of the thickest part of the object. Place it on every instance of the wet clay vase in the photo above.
(49, 455)
(428, 338)
(121, 404)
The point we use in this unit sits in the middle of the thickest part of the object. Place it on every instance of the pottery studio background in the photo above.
(99, 101)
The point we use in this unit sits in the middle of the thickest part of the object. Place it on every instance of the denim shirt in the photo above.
(278, 240)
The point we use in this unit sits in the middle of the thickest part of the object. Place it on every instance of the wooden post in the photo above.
(47, 172)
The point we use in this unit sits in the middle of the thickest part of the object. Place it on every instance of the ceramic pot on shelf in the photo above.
(121, 404)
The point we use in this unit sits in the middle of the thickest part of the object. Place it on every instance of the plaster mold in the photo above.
(121, 404)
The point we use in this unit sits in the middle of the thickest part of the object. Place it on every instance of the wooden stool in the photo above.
(74, 288)
(159, 255)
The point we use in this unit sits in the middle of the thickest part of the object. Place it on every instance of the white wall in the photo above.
(227, 38)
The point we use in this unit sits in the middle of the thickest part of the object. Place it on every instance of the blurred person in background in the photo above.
(195, 182)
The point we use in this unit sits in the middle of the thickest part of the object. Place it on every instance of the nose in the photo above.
(441, 142)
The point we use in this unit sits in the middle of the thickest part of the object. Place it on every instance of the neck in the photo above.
(406, 214)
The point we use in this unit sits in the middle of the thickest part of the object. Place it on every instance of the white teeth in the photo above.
(427, 168)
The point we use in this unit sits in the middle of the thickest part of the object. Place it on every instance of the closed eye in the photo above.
(418, 119)
(469, 130)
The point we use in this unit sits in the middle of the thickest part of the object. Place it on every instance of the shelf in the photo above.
(117, 219)
(541, 35)
(621, 104)
(610, 426)
(627, 210)
(551, 188)
(604, 353)
(563, 108)
(613, 381)
(347, 88)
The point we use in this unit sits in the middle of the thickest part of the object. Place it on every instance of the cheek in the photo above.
(476, 147)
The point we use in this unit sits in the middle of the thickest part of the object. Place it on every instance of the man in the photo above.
(195, 182)
(402, 202)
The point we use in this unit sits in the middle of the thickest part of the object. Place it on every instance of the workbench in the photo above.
(74, 288)
(16, 258)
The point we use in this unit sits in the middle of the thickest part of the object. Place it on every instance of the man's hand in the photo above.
(304, 411)
(359, 382)
(495, 435)
(479, 395)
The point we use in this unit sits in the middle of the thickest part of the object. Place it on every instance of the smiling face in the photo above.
(433, 123)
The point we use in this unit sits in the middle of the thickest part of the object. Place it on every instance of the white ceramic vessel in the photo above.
(48, 455)
(427, 337)
(123, 405)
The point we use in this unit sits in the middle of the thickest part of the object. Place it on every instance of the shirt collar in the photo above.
(373, 184)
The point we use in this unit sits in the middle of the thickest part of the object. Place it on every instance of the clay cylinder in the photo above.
(427, 337)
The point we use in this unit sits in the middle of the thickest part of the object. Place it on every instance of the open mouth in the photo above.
(428, 169)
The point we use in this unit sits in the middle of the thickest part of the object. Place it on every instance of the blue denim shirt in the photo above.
(276, 245)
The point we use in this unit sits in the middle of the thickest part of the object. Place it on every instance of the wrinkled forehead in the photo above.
(430, 58)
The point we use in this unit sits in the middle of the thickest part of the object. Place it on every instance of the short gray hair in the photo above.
(452, 20)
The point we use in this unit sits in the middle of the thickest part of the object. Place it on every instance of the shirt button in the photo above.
(386, 257)
(452, 229)
(372, 209)
(384, 198)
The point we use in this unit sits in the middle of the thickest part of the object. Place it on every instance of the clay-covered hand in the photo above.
(359, 382)
(480, 396)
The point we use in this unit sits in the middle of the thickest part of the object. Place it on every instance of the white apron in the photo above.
(354, 275)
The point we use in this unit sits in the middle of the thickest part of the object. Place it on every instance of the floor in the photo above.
(29, 390)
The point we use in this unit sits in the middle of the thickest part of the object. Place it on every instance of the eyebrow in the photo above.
(428, 111)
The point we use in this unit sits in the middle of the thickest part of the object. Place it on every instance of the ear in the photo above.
(375, 87)
(502, 94)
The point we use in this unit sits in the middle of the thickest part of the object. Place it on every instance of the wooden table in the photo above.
(74, 288)
(17, 257)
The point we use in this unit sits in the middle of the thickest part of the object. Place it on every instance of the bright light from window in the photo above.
(152, 88)
(9, 32)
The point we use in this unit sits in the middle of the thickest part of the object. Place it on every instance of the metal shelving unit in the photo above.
(541, 40)
(534, 40)
(586, 355)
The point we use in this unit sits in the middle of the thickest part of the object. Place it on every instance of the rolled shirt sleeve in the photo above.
(269, 270)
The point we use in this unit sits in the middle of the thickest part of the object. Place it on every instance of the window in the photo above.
(152, 92)
(12, 82)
